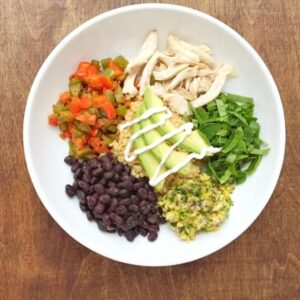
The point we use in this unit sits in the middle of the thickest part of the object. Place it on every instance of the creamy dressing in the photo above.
(185, 130)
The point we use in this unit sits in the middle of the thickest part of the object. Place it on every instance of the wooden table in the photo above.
(38, 260)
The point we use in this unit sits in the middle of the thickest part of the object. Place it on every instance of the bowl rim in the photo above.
(137, 7)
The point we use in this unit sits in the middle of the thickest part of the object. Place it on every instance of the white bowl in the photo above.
(122, 31)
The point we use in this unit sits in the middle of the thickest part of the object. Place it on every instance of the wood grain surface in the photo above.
(38, 260)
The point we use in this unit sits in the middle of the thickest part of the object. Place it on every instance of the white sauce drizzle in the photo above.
(185, 129)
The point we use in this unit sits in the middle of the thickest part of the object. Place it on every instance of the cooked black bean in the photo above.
(98, 172)
(83, 207)
(123, 193)
(87, 177)
(99, 209)
(121, 210)
(99, 188)
(107, 166)
(129, 235)
(105, 199)
(113, 191)
(152, 236)
(70, 160)
(83, 185)
(142, 193)
(133, 207)
(114, 198)
(162, 220)
(91, 201)
(70, 191)
(108, 175)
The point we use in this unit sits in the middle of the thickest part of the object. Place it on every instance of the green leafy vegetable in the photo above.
(228, 122)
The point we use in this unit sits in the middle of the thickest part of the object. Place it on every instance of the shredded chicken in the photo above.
(183, 73)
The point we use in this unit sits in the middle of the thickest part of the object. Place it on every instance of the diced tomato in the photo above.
(65, 98)
(75, 106)
(52, 120)
(67, 134)
(99, 100)
(85, 102)
(106, 81)
(87, 118)
(94, 131)
(117, 71)
(109, 109)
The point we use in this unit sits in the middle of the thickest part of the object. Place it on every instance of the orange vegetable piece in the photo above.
(65, 98)
(52, 120)
(117, 71)
(85, 102)
(87, 118)
(109, 109)
(75, 106)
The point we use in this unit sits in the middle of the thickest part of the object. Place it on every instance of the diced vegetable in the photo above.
(89, 112)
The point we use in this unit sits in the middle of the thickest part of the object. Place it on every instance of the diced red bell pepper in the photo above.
(109, 109)
(98, 81)
(84, 70)
(94, 131)
(85, 102)
(75, 106)
(65, 98)
(52, 120)
(99, 100)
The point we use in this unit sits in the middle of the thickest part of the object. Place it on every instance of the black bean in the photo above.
(152, 196)
(98, 172)
(142, 193)
(129, 235)
(118, 168)
(80, 195)
(70, 160)
(162, 220)
(145, 209)
(131, 222)
(123, 193)
(123, 184)
(92, 163)
(91, 201)
(133, 207)
(103, 181)
(152, 236)
(94, 180)
(105, 199)
(75, 186)
(121, 210)
(111, 228)
(87, 177)
(116, 219)
(107, 166)
(152, 219)
(113, 191)
(99, 188)
(83, 185)
(134, 199)
(83, 207)
(77, 174)
(125, 201)
(116, 178)
(99, 209)
(108, 175)
(120, 232)
(101, 226)
(75, 167)
(113, 204)
(70, 190)
(138, 185)
(153, 228)
(106, 220)
(143, 231)
(89, 215)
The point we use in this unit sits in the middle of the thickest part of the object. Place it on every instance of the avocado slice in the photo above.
(160, 150)
(192, 143)
(147, 159)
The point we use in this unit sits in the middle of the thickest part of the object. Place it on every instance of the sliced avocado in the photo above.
(147, 159)
(193, 143)
(160, 150)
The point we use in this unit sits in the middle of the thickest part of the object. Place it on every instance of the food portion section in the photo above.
(155, 139)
